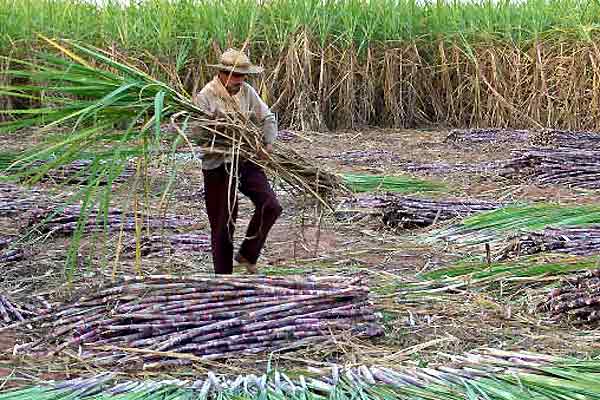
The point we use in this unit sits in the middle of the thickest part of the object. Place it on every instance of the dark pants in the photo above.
(222, 208)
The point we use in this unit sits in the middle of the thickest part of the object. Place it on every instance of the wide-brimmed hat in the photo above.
(236, 61)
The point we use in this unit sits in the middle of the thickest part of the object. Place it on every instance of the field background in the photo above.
(346, 64)
(364, 88)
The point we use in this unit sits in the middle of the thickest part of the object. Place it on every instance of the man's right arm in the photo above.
(202, 101)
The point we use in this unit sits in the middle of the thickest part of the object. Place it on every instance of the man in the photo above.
(229, 93)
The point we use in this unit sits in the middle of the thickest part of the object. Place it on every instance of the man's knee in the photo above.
(273, 208)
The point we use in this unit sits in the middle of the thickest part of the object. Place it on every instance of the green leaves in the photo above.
(495, 225)
(401, 184)
(490, 379)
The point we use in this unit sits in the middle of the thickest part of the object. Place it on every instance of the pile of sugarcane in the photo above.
(401, 212)
(9, 252)
(487, 136)
(204, 316)
(63, 221)
(414, 212)
(542, 137)
(575, 168)
(566, 139)
(485, 374)
(445, 168)
(78, 172)
(15, 200)
(577, 298)
(357, 208)
(576, 241)
(75, 172)
(11, 312)
(160, 246)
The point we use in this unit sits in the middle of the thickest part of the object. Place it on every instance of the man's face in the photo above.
(232, 81)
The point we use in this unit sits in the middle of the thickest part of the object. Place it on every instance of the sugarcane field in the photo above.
(280, 199)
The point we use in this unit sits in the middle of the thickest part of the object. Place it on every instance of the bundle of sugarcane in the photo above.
(356, 208)
(577, 298)
(487, 136)
(486, 374)
(576, 241)
(413, 212)
(17, 200)
(92, 93)
(575, 168)
(11, 312)
(62, 221)
(161, 246)
(566, 139)
(401, 212)
(205, 316)
(8, 251)
(445, 168)
(75, 172)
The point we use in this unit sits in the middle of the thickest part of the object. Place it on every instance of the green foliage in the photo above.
(497, 224)
(169, 27)
(503, 277)
(488, 379)
(401, 184)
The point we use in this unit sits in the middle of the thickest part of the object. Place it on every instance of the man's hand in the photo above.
(264, 151)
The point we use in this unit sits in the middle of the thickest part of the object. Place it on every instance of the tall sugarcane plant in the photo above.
(102, 108)
(92, 94)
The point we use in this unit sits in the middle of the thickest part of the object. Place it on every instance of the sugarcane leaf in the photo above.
(65, 51)
(159, 101)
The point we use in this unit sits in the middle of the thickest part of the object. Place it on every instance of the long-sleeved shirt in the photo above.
(212, 100)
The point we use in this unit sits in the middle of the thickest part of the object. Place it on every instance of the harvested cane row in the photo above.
(11, 312)
(543, 138)
(366, 157)
(400, 212)
(52, 221)
(445, 168)
(576, 168)
(524, 375)
(9, 252)
(487, 136)
(577, 299)
(79, 172)
(576, 241)
(161, 246)
(205, 316)
(15, 199)
(412, 213)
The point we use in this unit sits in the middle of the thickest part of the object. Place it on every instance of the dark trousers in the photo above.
(222, 208)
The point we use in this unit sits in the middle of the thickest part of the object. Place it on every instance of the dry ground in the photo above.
(306, 241)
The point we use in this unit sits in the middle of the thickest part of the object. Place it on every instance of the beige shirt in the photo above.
(212, 100)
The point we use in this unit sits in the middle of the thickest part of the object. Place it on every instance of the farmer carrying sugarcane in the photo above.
(228, 94)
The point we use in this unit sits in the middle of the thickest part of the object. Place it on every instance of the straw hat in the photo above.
(236, 61)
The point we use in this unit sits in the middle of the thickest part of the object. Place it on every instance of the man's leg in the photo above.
(255, 185)
(221, 207)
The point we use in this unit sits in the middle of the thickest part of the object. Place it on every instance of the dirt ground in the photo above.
(308, 241)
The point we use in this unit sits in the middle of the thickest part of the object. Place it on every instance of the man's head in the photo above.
(234, 66)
